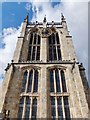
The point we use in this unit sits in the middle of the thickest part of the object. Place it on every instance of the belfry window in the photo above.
(54, 47)
(34, 47)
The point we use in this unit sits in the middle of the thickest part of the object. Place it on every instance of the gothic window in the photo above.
(35, 81)
(34, 47)
(54, 47)
(34, 109)
(24, 81)
(57, 80)
(63, 81)
(30, 81)
(20, 111)
(28, 102)
(51, 81)
(59, 100)
(38, 53)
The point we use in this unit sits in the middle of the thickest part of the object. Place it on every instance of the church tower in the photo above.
(44, 79)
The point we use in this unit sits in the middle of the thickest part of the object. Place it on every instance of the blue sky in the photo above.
(13, 14)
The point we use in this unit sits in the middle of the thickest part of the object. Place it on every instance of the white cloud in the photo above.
(9, 37)
(28, 6)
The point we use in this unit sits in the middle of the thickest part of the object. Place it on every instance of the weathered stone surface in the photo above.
(12, 84)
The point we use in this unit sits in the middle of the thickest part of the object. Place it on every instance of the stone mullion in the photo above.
(24, 108)
(31, 107)
(60, 81)
(63, 107)
(32, 46)
(36, 47)
(33, 81)
(56, 47)
(54, 81)
(27, 82)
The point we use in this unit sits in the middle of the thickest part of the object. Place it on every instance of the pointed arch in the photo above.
(30, 81)
(35, 81)
(54, 47)
(34, 47)
(63, 81)
(58, 89)
(51, 81)
(24, 81)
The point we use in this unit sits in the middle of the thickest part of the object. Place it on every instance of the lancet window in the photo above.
(34, 47)
(54, 47)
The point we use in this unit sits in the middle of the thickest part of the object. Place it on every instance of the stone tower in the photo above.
(44, 79)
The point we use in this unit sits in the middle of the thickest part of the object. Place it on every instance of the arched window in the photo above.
(34, 109)
(24, 81)
(35, 81)
(53, 108)
(20, 110)
(57, 80)
(51, 81)
(63, 81)
(54, 47)
(27, 112)
(30, 81)
(34, 47)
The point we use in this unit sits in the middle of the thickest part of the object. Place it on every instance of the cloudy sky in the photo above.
(13, 14)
